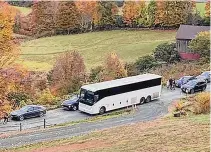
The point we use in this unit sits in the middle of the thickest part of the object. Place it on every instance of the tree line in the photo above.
(65, 17)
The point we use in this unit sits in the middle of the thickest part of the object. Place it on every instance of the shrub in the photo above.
(68, 73)
(131, 69)
(179, 105)
(22, 103)
(202, 103)
(201, 44)
(17, 98)
(166, 53)
(46, 97)
(113, 68)
(95, 74)
(179, 69)
(145, 63)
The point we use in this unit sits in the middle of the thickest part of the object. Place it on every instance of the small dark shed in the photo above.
(184, 35)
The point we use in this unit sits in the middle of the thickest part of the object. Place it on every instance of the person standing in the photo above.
(167, 84)
(6, 118)
(171, 83)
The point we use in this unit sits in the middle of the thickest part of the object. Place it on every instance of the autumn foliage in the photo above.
(132, 11)
(114, 68)
(68, 73)
(67, 17)
(8, 52)
(88, 13)
(173, 13)
(207, 9)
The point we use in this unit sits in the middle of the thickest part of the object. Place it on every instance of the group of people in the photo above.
(171, 84)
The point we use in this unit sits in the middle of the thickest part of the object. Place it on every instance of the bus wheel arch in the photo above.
(142, 100)
(148, 99)
(102, 110)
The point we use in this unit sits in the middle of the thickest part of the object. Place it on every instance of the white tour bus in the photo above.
(109, 95)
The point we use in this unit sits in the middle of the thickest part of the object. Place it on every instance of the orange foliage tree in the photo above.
(43, 17)
(132, 11)
(207, 9)
(68, 73)
(173, 13)
(8, 51)
(114, 68)
(67, 17)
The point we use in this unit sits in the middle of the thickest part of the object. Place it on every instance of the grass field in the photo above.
(24, 10)
(185, 134)
(201, 8)
(40, 54)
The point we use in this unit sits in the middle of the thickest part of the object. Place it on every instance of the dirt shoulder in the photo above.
(191, 133)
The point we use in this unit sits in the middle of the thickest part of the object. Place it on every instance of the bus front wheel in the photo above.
(102, 110)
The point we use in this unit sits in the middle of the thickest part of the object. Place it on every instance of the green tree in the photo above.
(68, 17)
(151, 13)
(201, 44)
(145, 63)
(106, 12)
(166, 52)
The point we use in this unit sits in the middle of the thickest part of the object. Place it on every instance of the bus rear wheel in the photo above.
(148, 99)
(102, 110)
(142, 100)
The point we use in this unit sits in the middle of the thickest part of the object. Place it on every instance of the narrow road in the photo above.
(146, 112)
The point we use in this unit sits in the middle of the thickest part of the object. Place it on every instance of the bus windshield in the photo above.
(87, 97)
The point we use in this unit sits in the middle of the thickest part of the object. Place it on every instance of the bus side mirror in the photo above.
(96, 98)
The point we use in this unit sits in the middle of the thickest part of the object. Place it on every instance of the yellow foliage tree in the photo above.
(114, 68)
(207, 9)
(8, 50)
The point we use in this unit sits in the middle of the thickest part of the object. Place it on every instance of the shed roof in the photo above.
(119, 82)
(189, 31)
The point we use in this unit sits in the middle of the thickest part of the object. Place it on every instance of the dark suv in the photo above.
(194, 86)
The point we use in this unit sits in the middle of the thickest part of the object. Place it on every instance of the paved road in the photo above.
(145, 112)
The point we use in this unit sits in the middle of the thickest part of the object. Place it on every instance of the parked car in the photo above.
(28, 111)
(71, 104)
(194, 86)
(205, 75)
(183, 80)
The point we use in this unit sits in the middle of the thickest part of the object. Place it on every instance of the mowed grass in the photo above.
(40, 54)
(185, 134)
(201, 8)
(24, 10)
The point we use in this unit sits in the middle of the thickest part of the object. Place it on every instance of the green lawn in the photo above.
(24, 10)
(40, 54)
(201, 8)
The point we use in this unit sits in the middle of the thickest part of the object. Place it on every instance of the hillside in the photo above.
(201, 8)
(185, 134)
(24, 10)
(40, 54)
